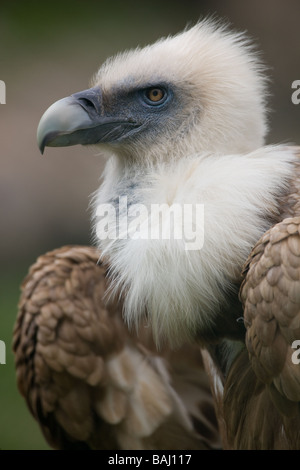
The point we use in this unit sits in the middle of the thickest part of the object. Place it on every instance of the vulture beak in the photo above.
(79, 119)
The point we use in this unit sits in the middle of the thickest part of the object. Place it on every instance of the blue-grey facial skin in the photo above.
(118, 116)
(132, 104)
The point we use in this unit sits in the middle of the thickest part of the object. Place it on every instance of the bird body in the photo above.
(182, 124)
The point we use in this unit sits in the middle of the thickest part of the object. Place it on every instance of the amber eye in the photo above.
(155, 95)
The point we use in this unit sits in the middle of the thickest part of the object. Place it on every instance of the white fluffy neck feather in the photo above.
(181, 290)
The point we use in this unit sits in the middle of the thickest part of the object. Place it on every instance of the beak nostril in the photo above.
(89, 100)
(87, 105)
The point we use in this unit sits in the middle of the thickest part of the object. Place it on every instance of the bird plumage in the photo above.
(240, 195)
(271, 296)
(219, 87)
(91, 383)
(180, 122)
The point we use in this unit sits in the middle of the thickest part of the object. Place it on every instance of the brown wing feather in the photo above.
(88, 381)
(262, 390)
(266, 391)
(290, 204)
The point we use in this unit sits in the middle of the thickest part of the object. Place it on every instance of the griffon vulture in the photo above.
(182, 124)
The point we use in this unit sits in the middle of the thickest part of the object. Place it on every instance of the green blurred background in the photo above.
(50, 50)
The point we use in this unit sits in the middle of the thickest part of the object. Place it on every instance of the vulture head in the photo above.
(181, 123)
(200, 90)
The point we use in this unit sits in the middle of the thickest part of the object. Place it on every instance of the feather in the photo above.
(88, 381)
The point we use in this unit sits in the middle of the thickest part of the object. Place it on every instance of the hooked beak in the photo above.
(79, 119)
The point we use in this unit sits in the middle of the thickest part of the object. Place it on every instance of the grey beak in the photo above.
(79, 119)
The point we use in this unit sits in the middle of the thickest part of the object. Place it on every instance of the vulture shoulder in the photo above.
(88, 381)
(262, 390)
(257, 393)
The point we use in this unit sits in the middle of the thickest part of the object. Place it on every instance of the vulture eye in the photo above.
(155, 96)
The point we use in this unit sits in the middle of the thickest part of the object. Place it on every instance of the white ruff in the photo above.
(180, 289)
